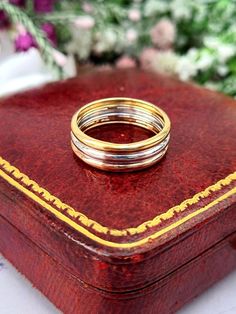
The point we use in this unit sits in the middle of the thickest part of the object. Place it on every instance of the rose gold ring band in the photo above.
(120, 157)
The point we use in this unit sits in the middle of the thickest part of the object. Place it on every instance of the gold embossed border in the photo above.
(30, 188)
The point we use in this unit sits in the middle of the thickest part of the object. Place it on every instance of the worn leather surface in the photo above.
(72, 296)
(35, 137)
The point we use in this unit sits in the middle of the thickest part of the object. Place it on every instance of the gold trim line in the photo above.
(13, 171)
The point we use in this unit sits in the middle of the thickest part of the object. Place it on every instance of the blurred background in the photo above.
(45, 40)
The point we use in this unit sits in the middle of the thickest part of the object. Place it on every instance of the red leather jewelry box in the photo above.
(99, 242)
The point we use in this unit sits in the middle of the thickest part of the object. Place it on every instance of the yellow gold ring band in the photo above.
(120, 157)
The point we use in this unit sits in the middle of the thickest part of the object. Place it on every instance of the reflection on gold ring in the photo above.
(120, 157)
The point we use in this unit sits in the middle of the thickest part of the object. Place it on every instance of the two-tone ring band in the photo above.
(120, 157)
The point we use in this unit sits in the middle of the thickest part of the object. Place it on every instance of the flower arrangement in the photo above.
(192, 40)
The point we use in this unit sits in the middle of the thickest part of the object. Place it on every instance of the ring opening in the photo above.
(119, 133)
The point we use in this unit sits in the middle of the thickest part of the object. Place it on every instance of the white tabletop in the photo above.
(18, 296)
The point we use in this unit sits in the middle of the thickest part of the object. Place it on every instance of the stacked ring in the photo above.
(120, 157)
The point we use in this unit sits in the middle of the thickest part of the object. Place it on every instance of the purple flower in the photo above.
(50, 31)
(19, 3)
(43, 6)
(24, 42)
(4, 21)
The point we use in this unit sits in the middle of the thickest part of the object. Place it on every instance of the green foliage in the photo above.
(205, 33)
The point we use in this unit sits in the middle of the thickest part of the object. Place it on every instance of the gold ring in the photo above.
(120, 157)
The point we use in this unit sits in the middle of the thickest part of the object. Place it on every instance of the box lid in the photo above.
(119, 231)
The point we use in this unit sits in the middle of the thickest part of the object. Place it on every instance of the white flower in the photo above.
(181, 9)
(205, 61)
(84, 22)
(193, 53)
(165, 62)
(87, 7)
(211, 42)
(66, 62)
(225, 52)
(134, 15)
(195, 60)
(81, 42)
(185, 68)
(152, 7)
(59, 57)
(131, 35)
(105, 40)
(222, 70)
(201, 13)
